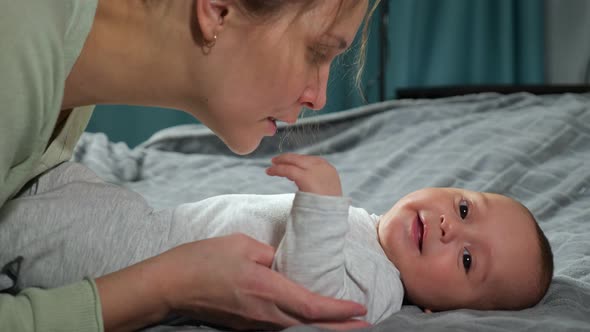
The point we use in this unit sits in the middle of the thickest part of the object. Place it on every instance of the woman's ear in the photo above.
(427, 311)
(210, 16)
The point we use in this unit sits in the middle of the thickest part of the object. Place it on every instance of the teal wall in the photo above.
(426, 43)
(134, 124)
(465, 42)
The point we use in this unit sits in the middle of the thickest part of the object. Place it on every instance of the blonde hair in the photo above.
(362, 56)
(267, 9)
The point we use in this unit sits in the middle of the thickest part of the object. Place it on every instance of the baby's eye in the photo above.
(463, 209)
(466, 260)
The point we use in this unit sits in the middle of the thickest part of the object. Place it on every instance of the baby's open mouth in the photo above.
(420, 233)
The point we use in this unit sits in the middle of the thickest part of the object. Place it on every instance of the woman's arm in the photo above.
(128, 299)
(219, 287)
(223, 281)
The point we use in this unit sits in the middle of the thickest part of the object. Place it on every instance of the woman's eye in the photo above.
(466, 260)
(463, 209)
(318, 55)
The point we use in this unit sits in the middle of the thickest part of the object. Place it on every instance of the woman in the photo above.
(238, 66)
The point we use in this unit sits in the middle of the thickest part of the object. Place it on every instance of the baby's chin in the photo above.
(482, 304)
(430, 305)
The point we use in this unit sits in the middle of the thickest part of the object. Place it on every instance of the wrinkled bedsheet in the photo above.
(533, 148)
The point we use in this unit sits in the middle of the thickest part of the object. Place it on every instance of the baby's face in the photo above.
(456, 248)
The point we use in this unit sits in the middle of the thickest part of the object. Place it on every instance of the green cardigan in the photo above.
(40, 40)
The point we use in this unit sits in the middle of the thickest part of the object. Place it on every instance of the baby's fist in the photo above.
(311, 174)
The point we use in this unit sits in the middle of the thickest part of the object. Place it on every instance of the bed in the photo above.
(531, 147)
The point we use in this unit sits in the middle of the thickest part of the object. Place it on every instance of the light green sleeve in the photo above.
(39, 43)
(71, 308)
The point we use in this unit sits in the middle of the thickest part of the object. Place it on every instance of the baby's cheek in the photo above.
(439, 274)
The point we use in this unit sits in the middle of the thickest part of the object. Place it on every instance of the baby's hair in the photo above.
(546, 257)
(546, 263)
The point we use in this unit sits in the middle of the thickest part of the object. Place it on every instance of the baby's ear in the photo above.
(427, 311)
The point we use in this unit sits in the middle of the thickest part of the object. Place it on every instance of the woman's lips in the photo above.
(272, 126)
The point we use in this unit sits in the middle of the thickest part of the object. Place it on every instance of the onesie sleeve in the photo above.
(72, 308)
(323, 250)
(311, 251)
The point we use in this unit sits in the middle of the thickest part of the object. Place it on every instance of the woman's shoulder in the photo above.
(35, 38)
(27, 18)
(44, 36)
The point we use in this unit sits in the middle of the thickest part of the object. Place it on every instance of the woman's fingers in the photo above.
(227, 281)
(264, 253)
(288, 303)
(307, 306)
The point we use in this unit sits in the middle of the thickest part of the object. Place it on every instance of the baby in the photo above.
(437, 248)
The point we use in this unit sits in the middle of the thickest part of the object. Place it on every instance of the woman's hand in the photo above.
(223, 281)
(311, 174)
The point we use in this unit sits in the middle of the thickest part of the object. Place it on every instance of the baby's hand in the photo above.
(310, 173)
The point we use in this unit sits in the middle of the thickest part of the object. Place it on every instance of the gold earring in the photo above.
(208, 45)
(211, 43)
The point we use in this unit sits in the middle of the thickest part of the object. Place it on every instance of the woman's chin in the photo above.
(243, 147)
(242, 152)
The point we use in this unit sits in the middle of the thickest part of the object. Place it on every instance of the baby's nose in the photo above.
(446, 228)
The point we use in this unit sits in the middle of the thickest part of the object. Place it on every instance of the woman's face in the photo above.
(263, 73)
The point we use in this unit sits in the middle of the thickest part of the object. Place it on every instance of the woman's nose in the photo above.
(314, 94)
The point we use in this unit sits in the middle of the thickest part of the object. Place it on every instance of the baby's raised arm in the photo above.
(311, 251)
(326, 252)
(311, 174)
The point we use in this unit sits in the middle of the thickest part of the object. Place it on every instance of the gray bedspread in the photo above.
(533, 148)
